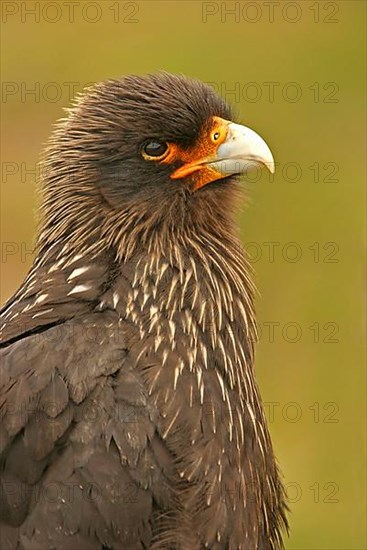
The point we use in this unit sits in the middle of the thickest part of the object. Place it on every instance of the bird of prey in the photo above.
(130, 414)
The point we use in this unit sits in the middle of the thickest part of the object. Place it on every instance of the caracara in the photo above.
(130, 414)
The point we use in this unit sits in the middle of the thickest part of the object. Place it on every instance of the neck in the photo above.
(83, 219)
(187, 277)
(190, 241)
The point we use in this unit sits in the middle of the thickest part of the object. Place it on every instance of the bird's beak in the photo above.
(238, 149)
(242, 148)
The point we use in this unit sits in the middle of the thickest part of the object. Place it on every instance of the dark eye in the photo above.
(154, 149)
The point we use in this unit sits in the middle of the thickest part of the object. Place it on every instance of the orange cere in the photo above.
(195, 159)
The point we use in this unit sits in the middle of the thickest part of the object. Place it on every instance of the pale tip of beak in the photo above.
(270, 166)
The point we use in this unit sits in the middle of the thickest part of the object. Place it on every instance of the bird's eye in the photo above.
(154, 150)
(216, 136)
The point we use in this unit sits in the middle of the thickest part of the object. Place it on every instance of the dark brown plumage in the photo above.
(130, 412)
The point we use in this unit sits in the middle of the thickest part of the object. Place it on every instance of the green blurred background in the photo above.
(311, 370)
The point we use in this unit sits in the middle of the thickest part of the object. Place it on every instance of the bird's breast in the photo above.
(191, 336)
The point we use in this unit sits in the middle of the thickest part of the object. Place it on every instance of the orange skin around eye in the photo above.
(193, 159)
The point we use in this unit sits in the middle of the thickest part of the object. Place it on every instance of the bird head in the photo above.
(144, 145)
